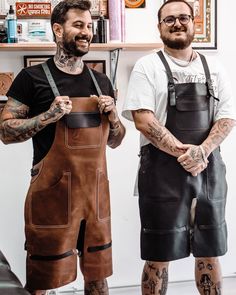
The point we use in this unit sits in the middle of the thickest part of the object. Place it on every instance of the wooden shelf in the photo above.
(50, 46)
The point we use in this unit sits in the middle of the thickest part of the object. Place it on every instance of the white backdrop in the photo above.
(15, 163)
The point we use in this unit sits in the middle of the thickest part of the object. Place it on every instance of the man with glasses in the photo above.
(182, 104)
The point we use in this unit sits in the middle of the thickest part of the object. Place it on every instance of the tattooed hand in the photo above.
(61, 106)
(194, 160)
(107, 105)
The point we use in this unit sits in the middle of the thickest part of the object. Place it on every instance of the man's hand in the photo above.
(107, 106)
(193, 160)
(61, 106)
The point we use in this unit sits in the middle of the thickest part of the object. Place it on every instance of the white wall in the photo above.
(15, 162)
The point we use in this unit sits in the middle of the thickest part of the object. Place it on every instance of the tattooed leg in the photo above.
(208, 276)
(96, 288)
(155, 278)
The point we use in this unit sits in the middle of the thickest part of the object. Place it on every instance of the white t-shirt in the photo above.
(147, 87)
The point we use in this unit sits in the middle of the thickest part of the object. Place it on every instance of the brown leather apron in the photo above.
(166, 190)
(67, 209)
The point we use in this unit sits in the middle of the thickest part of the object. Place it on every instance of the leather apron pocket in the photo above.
(51, 207)
(154, 178)
(192, 112)
(102, 197)
(216, 181)
(83, 130)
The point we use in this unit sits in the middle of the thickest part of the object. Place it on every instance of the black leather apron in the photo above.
(166, 190)
(67, 209)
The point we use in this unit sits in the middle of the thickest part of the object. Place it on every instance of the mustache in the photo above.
(176, 29)
(86, 38)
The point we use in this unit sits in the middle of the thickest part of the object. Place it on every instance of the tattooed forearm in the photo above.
(96, 287)
(163, 139)
(218, 133)
(18, 130)
(153, 130)
(17, 127)
(116, 134)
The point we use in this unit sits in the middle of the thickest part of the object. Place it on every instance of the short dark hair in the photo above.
(171, 1)
(60, 10)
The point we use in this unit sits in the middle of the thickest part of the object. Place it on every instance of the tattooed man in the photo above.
(69, 112)
(181, 103)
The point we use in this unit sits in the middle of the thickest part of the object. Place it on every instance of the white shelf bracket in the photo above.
(114, 57)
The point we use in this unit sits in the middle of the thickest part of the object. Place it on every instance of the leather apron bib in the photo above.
(166, 190)
(67, 209)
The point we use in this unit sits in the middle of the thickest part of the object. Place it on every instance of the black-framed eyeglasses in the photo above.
(170, 20)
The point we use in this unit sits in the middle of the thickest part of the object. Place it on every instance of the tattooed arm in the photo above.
(117, 130)
(195, 159)
(218, 133)
(146, 122)
(17, 127)
(116, 134)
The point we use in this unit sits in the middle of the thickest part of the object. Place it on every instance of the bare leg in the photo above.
(208, 276)
(155, 278)
(96, 288)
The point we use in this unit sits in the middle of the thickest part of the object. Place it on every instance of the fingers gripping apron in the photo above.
(166, 190)
(70, 189)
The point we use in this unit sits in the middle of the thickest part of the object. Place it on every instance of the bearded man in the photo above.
(181, 103)
(69, 112)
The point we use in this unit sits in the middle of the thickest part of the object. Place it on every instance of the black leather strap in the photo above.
(171, 84)
(52, 257)
(83, 120)
(99, 248)
(208, 76)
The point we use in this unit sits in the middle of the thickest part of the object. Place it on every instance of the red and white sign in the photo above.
(33, 9)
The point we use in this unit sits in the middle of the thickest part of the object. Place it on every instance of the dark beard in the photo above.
(178, 44)
(71, 49)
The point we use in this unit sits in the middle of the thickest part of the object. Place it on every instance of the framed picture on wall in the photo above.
(98, 65)
(32, 60)
(205, 17)
(99, 7)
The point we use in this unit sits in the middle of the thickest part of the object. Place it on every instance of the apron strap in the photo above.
(171, 84)
(53, 85)
(208, 76)
(95, 82)
(50, 79)
(209, 86)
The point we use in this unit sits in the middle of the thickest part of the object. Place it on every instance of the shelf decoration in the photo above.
(135, 3)
(3, 8)
(99, 7)
(116, 20)
(33, 10)
(5, 82)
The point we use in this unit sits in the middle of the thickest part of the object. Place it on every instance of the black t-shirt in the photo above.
(31, 88)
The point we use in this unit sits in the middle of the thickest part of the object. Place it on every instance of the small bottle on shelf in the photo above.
(102, 29)
(11, 24)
